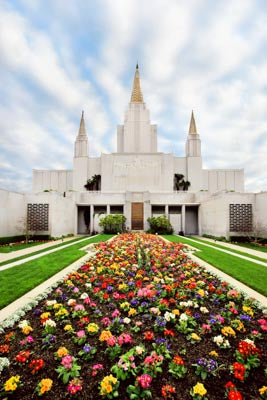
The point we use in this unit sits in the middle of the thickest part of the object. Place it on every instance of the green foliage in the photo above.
(180, 183)
(94, 183)
(160, 225)
(113, 223)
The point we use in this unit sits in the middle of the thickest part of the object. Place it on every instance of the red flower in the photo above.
(4, 348)
(167, 391)
(148, 335)
(239, 371)
(168, 332)
(37, 364)
(105, 296)
(234, 395)
(23, 356)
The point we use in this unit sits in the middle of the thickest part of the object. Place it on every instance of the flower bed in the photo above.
(139, 320)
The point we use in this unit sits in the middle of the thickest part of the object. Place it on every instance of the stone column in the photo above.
(183, 218)
(108, 209)
(91, 218)
(167, 211)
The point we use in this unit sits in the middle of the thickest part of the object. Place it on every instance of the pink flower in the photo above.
(80, 334)
(87, 300)
(79, 307)
(144, 381)
(111, 341)
(67, 362)
(124, 338)
(105, 321)
(115, 313)
(30, 339)
(76, 290)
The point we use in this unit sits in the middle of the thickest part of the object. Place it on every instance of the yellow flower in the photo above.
(213, 353)
(45, 315)
(248, 310)
(68, 328)
(104, 336)
(122, 286)
(125, 305)
(45, 385)
(99, 270)
(176, 311)
(194, 336)
(56, 306)
(61, 312)
(92, 328)
(132, 311)
(27, 329)
(263, 390)
(199, 389)
(228, 331)
(12, 383)
(201, 292)
(62, 351)
(106, 385)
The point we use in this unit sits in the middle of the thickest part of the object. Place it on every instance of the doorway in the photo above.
(137, 216)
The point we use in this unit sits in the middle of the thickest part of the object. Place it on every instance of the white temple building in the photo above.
(138, 181)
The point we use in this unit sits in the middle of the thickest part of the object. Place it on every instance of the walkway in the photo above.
(253, 252)
(263, 263)
(44, 253)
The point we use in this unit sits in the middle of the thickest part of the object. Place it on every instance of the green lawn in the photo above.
(17, 281)
(247, 272)
(221, 246)
(40, 251)
(16, 247)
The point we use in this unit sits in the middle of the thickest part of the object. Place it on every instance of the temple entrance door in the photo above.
(137, 216)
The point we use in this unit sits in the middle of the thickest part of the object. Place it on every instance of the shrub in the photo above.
(160, 225)
(113, 223)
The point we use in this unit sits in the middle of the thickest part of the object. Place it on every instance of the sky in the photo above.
(59, 57)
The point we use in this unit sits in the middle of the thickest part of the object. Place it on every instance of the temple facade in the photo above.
(139, 181)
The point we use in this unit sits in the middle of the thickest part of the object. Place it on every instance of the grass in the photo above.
(247, 272)
(40, 251)
(17, 281)
(16, 247)
(221, 246)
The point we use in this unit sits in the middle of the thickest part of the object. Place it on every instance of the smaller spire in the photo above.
(192, 127)
(137, 96)
(82, 130)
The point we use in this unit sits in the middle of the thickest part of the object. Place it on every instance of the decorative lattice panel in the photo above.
(240, 217)
(37, 215)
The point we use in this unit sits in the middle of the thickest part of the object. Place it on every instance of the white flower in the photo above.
(4, 363)
(139, 350)
(23, 323)
(169, 316)
(218, 339)
(84, 296)
(50, 303)
(204, 310)
(126, 320)
(50, 323)
(183, 317)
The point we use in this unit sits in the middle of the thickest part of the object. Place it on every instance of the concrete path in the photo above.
(28, 297)
(253, 252)
(263, 263)
(44, 253)
(19, 253)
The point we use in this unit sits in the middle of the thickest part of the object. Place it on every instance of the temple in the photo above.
(140, 181)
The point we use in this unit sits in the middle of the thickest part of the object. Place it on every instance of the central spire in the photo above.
(82, 130)
(137, 96)
(192, 127)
